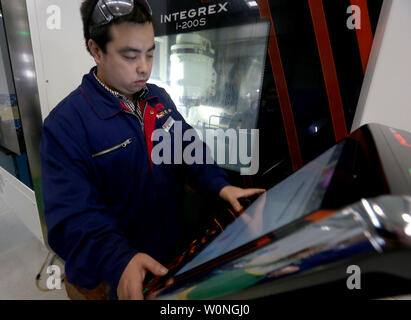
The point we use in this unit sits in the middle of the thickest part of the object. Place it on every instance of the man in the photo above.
(111, 213)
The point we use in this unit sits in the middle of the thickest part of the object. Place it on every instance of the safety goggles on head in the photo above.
(107, 10)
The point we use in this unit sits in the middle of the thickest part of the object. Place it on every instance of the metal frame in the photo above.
(25, 81)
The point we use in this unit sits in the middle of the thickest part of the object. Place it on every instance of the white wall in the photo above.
(60, 55)
(386, 93)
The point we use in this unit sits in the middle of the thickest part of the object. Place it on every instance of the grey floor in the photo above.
(21, 258)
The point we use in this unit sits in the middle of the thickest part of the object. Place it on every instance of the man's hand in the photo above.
(130, 286)
(231, 194)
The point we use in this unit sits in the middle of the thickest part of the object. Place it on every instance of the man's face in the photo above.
(128, 61)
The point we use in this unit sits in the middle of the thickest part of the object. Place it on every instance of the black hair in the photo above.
(101, 34)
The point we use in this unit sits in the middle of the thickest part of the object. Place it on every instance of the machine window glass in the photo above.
(215, 79)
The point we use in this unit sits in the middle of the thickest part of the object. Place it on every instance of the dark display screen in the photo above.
(298, 195)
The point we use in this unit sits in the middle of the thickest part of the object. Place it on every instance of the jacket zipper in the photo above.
(118, 146)
(141, 121)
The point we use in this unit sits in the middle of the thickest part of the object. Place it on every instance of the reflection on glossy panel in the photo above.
(308, 246)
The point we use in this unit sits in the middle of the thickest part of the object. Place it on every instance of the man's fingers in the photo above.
(252, 191)
(153, 266)
(236, 205)
(131, 281)
(232, 194)
(244, 194)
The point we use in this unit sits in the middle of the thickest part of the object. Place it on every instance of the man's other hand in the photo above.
(130, 286)
(231, 194)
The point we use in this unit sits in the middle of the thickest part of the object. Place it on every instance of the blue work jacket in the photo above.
(104, 201)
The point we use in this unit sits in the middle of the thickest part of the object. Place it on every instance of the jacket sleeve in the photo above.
(209, 177)
(80, 228)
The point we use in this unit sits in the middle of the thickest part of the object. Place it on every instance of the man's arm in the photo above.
(80, 229)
